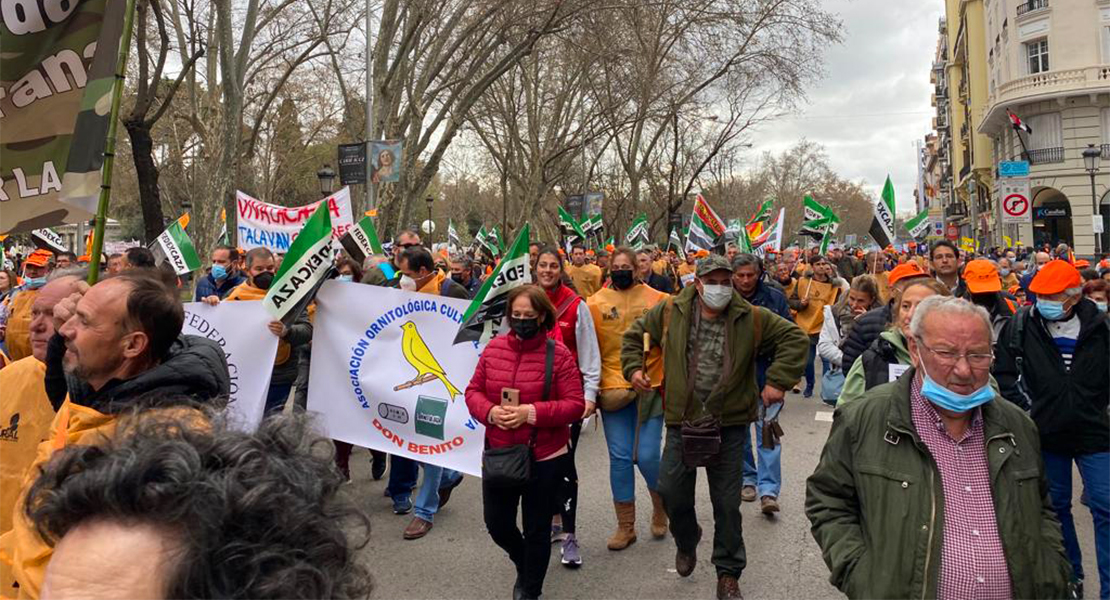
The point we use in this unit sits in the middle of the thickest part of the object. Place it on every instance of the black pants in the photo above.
(677, 483)
(530, 551)
(568, 502)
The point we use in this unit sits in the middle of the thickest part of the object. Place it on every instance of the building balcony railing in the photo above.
(1042, 156)
(1106, 152)
(1031, 6)
(1043, 86)
(955, 209)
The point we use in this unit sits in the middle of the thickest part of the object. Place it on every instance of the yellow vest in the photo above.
(819, 295)
(613, 313)
(19, 324)
(25, 416)
(587, 279)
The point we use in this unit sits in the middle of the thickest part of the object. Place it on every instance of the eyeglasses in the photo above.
(949, 358)
(407, 246)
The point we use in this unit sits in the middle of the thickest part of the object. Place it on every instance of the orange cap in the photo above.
(701, 254)
(1082, 263)
(904, 270)
(1055, 277)
(84, 258)
(982, 277)
(39, 258)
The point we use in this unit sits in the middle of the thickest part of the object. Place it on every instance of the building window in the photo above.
(1106, 44)
(1046, 143)
(1037, 52)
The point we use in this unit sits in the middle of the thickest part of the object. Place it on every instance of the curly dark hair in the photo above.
(256, 515)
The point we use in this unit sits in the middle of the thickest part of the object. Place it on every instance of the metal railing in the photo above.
(1106, 152)
(1031, 6)
(1044, 156)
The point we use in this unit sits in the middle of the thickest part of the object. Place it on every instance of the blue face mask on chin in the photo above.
(1101, 306)
(949, 400)
(1051, 310)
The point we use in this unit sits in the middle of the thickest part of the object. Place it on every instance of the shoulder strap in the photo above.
(564, 305)
(548, 367)
(757, 328)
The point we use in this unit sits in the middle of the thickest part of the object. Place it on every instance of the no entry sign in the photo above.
(1016, 205)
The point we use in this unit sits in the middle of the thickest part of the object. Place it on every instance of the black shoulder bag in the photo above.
(511, 466)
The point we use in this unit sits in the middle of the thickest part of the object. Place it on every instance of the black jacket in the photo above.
(195, 367)
(1069, 406)
(864, 333)
(660, 283)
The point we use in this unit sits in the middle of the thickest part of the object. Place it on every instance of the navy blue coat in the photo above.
(207, 286)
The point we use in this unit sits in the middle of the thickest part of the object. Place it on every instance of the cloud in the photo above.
(874, 101)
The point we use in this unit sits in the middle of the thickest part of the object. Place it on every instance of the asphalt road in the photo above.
(457, 559)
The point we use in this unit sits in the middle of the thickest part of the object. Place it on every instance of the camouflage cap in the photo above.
(713, 262)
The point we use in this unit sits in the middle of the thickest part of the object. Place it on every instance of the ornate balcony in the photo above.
(1043, 86)
(1031, 6)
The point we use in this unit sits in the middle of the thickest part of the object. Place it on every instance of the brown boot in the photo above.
(658, 517)
(626, 526)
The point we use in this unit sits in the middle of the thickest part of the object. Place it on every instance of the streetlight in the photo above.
(1091, 159)
(431, 225)
(327, 178)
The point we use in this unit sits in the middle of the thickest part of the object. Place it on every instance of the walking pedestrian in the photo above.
(808, 298)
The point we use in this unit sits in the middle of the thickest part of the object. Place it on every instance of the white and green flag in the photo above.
(175, 248)
(675, 241)
(818, 220)
(571, 227)
(705, 227)
(480, 321)
(763, 213)
(453, 243)
(495, 241)
(919, 225)
(638, 235)
(361, 241)
(882, 224)
(304, 268)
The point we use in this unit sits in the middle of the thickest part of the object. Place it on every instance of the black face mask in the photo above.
(263, 280)
(524, 329)
(622, 280)
(459, 278)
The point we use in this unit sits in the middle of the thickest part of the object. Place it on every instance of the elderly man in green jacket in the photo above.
(932, 486)
(710, 338)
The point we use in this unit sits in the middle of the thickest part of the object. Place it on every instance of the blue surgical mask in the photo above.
(34, 283)
(1101, 306)
(346, 277)
(219, 271)
(949, 400)
(1004, 272)
(1051, 310)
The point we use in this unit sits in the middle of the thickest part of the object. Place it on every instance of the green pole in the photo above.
(110, 145)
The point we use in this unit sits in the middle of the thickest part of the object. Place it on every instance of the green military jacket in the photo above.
(737, 400)
(876, 504)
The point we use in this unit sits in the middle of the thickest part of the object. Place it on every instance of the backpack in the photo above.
(1015, 343)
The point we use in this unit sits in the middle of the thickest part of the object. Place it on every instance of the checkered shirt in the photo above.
(972, 562)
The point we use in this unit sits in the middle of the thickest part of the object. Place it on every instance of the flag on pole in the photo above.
(480, 320)
(224, 238)
(1018, 124)
(638, 234)
(705, 227)
(763, 213)
(453, 243)
(882, 224)
(304, 269)
(48, 239)
(771, 239)
(826, 238)
(361, 241)
(675, 241)
(919, 225)
(611, 242)
(495, 240)
(175, 248)
(479, 242)
(819, 220)
(569, 225)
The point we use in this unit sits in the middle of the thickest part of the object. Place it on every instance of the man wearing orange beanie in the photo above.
(1052, 359)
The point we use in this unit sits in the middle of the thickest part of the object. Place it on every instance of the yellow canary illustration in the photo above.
(421, 359)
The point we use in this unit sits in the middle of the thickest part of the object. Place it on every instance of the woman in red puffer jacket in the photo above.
(516, 360)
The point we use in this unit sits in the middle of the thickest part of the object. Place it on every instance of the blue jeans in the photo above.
(620, 431)
(276, 397)
(1094, 469)
(426, 504)
(767, 479)
(811, 360)
(402, 477)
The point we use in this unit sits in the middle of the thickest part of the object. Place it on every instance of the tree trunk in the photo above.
(142, 152)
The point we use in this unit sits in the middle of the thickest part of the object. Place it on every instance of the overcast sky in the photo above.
(874, 101)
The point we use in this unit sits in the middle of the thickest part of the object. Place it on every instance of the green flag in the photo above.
(919, 225)
(496, 241)
(638, 234)
(675, 241)
(763, 213)
(882, 222)
(488, 307)
(569, 225)
(361, 241)
(304, 268)
(175, 247)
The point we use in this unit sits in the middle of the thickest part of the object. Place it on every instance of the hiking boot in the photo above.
(572, 558)
(684, 563)
(626, 526)
(417, 529)
(658, 517)
(747, 494)
(728, 588)
(769, 505)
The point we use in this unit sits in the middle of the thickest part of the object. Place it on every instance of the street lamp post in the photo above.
(431, 225)
(327, 179)
(1091, 158)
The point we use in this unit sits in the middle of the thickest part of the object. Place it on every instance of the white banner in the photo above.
(240, 328)
(387, 376)
(275, 227)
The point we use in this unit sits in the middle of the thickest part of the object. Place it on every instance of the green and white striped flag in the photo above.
(480, 320)
(304, 268)
(675, 241)
(175, 247)
(453, 243)
(818, 219)
(496, 242)
(361, 241)
(882, 223)
(763, 213)
(638, 234)
(705, 227)
(919, 225)
(570, 227)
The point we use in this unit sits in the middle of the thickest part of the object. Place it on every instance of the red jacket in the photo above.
(509, 362)
(567, 321)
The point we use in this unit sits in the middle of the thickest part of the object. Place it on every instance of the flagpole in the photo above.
(110, 145)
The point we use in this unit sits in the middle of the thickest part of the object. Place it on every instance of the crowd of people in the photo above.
(966, 387)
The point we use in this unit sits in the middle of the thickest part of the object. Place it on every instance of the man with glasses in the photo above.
(933, 487)
(388, 274)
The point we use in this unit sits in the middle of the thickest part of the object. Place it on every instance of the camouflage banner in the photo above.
(57, 67)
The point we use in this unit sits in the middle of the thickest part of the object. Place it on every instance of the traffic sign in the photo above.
(1013, 168)
(1014, 195)
(953, 232)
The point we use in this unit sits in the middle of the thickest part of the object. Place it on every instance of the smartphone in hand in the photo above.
(510, 397)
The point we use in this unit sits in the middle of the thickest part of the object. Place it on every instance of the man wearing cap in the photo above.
(983, 287)
(873, 322)
(713, 337)
(1052, 359)
(18, 333)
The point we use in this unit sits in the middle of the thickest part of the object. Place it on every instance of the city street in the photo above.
(458, 560)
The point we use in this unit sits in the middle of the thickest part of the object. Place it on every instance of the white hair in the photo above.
(1072, 292)
(949, 305)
